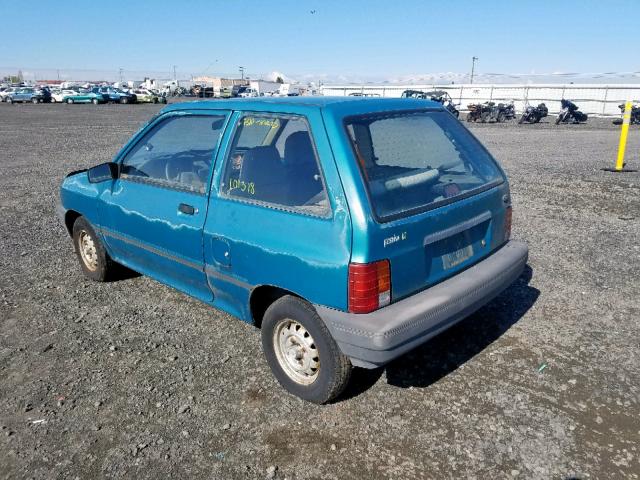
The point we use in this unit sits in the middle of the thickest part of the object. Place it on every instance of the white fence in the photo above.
(597, 100)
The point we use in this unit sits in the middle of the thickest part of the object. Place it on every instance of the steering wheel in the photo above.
(171, 170)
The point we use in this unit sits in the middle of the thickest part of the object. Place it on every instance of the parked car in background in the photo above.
(115, 95)
(85, 96)
(57, 96)
(236, 90)
(226, 201)
(26, 95)
(225, 92)
(147, 96)
(43, 94)
(248, 93)
(6, 92)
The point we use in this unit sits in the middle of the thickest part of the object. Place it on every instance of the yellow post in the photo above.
(626, 119)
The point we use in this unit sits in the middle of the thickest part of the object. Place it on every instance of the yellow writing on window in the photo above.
(241, 185)
(261, 121)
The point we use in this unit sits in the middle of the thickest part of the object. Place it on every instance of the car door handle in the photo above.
(186, 209)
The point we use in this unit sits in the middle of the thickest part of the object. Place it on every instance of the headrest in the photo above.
(261, 163)
(298, 149)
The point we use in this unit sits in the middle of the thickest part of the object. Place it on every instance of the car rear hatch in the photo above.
(429, 247)
(439, 201)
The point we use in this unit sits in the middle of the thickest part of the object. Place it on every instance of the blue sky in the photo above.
(374, 38)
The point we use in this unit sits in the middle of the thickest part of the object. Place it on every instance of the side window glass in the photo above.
(272, 160)
(177, 152)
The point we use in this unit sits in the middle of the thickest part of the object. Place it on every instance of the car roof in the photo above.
(339, 106)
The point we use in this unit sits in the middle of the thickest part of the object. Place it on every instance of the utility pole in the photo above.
(473, 67)
(241, 72)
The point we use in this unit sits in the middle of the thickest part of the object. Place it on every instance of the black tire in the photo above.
(70, 101)
(9, 100)
(124, 100)
(335, 368)
(95, 101)
(559, 119)
(501, 118)
(485, 117)
(521, 121)
(469, 117)
(35, 101)
(104, 266)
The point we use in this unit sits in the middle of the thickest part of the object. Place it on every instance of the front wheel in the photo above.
(9, 100)
(124, 100)
(35, 101)
(69, 101)
(94, 260)
(559, 119)
(522, 119)
(95, 101)
(301, 352)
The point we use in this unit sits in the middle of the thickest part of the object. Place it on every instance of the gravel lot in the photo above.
(133, 379)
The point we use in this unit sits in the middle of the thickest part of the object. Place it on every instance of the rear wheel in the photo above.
(559, 119)
(9, 100)
(501, 118)
(69, 101)
(94, 260)
(35, 101)
(301, 352)
(124, 100)
(94, 101)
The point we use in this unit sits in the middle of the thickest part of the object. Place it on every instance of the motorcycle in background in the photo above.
(635, 115)
(439, 96)
(506, 111)
(445, 99)
(479, 112)
(490, 112)
(570, 113)
(533, 114)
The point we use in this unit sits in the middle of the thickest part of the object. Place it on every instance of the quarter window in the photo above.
(177, 152)
(272, 160)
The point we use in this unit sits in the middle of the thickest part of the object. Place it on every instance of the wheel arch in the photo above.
(70, 218)
(261, 297)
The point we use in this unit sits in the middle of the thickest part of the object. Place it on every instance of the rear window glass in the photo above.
(414, 161)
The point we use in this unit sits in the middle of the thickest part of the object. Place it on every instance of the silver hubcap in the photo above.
(88, 250)
(296, 352)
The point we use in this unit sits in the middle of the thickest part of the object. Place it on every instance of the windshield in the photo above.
(418, 160)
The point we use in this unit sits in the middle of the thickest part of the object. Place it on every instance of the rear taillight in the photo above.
(369, 286)
(507, 223)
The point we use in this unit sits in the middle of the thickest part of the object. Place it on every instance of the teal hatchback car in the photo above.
(350, 230)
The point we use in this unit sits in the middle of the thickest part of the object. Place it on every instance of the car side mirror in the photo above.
(103, 172)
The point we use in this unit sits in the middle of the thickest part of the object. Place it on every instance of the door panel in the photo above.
(302, 244)
(153, 215)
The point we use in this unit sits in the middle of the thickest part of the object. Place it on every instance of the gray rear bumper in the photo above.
(376, 338)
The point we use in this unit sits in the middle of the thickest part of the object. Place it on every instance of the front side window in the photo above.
(177, 152)
(413, 161)
(272, 160)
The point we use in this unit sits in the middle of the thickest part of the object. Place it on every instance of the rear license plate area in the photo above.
(459, 249)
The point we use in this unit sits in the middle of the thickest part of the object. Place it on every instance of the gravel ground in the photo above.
(133, 379)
